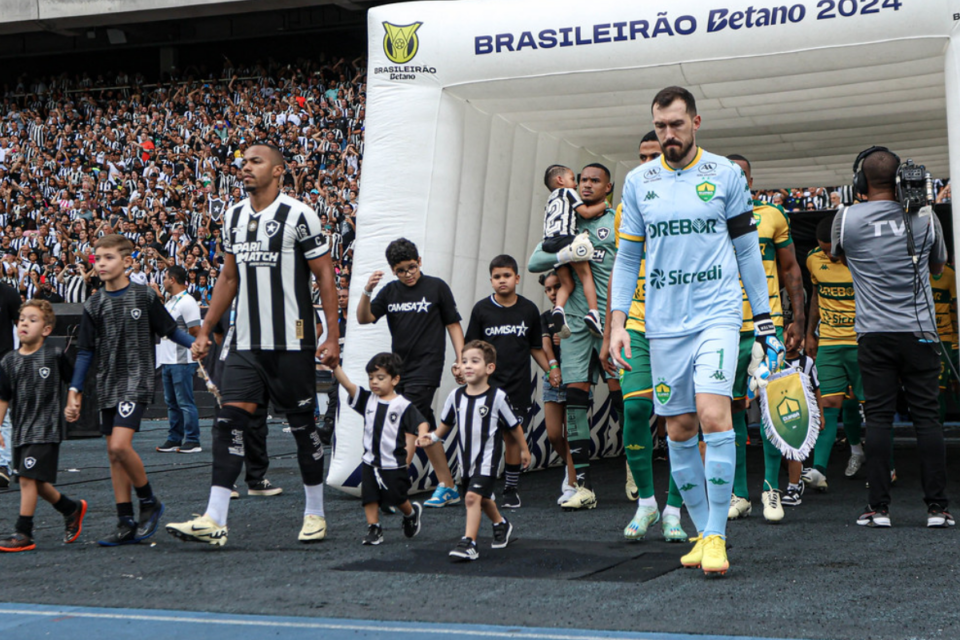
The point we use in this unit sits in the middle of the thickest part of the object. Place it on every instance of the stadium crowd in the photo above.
(84, 157)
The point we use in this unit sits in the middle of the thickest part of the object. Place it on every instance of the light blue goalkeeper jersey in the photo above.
(692, 275)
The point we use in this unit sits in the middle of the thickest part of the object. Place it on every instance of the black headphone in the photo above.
(859, 180)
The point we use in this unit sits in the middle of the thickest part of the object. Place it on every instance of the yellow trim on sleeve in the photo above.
(627, 236)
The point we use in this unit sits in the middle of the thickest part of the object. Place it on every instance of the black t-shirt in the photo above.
(513, 331)
(9, 314)
(547, 330)
(417, 317)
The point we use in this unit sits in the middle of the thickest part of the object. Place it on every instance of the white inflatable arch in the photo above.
(469, 101)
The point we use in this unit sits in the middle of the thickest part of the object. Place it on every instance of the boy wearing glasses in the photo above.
(419, 309)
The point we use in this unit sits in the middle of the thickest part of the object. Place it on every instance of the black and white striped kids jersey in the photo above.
(480, 419)
(32, 385)
(385, 428)
(808, 366)
(272, 247)
(560, 214)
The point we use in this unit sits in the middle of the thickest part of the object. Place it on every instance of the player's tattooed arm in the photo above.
(793, 282)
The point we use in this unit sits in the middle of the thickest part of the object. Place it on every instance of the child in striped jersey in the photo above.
(391, 425)
(793, 496)
(481, 412)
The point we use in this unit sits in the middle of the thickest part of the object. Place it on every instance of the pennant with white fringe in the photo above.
(791, 417)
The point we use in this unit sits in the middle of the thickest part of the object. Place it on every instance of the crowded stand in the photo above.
(159, 162)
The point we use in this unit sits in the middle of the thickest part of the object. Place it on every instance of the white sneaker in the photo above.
(772, 509)
(314, 529)
(200, 529)
(582, 498)
(739, 508)
(632, 493)
(568, 491)
(854, 464)
(816, 480)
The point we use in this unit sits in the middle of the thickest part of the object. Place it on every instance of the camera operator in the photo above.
(896, 333)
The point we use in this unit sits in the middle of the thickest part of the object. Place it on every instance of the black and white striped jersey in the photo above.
(32, 385)
(385, 428)
(479, 420)
(806, 364)
(560, 214)
(272, 248)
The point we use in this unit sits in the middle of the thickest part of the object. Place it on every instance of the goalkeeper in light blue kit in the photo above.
(690, 214)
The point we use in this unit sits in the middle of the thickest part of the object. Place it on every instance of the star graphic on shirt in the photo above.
(423, 305)
(522, 328)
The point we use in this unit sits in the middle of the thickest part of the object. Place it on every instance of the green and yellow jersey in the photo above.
(944, 288)
(773, 227)
(635, 317)
(834, 286)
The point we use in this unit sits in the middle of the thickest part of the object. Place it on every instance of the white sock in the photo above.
(671, 511)
(793, 486)
(219, 504)
(647, 502)
(314, 495)
(857, 449)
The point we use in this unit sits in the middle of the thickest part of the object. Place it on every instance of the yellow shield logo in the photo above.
(400, 42)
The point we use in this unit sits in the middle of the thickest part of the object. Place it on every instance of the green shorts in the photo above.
(638, 380)
(742, 380)
(581, 355)
(837, 369)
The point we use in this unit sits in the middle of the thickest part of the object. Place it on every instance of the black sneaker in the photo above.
(17, 542)
(190, 447)
(511, 498)
(793, 496)
(501, 534)
(878, 516)
(169, 446)
(73, 523)
(4, 477)
(374, 535)
(234, 494)
(559, 319)
(938, 517)
(149, 519)
(125, 533)
(411, 523)
(466, 549)
(264, 488)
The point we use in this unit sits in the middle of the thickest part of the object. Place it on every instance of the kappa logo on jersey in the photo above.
(400, 42)
(603, 233)
(272, 227)
(484, 411)
(651, 195)
(29, 462)
(135, 313)
(706, 191)
(44, 372)
(400, 307)
(125, 409)
(507, 330)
